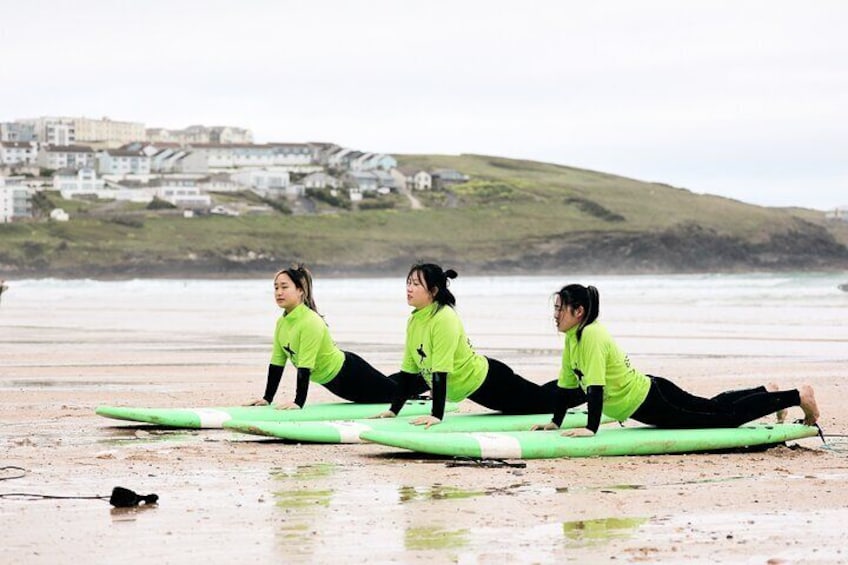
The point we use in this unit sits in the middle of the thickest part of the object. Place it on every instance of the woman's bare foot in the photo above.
(782, 413)
(808, 404)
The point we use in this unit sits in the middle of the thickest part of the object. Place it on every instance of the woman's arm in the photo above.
(595, 402)
(275, 375)
(302, 386)
(440, 391)
(404, 391)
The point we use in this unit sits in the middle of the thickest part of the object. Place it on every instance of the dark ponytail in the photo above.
(436, 281)
(574, 295)
(302, 279)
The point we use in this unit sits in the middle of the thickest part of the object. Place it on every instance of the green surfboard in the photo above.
(216, 416)
(347, 431)
(609, 441)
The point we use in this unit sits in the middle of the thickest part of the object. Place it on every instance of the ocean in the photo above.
(798, 316)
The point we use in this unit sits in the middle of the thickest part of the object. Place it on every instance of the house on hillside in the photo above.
(84, 182)
(294, 154)
(183, 193)
(444, 178)
(18, 152)
(385, 179)
(364, 181)
(411, 178)
(271, 182)
(123, 162)
(15, 131)
(15, 201)
(320, 180)
(66, 157)
(372, 161)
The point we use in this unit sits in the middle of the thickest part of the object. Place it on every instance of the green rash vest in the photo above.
(600, 362)
(436, 343)
(303, 336)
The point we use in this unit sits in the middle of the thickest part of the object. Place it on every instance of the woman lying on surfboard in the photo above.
(591, 361)
(303, 338)
(439, 356)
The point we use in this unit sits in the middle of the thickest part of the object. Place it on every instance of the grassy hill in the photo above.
(512, 216)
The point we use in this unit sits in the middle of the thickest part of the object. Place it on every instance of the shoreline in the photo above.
(368, 274)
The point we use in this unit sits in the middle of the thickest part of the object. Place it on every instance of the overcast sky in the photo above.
(745, 99)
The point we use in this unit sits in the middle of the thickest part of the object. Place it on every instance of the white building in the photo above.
(185, 196)
(65, 157)
(106, 130)
(363, 180)
(52, 130)
(293, 154)
(122, 162)
(72, 184)
(139, 195)
(320, 180)
(14, 131)
(200, 134)
(265, 181)
(372, 161)
(18, 152)
(15, 201)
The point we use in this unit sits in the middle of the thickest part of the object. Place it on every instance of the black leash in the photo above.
(121, 497)
(485, 463)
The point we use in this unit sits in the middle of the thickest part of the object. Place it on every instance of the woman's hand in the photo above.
(287, 406)
(578, 432)
(425, 421)
(260, 402)
(547, 426)
(385, 414)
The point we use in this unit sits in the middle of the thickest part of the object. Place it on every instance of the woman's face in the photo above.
(566, 317)
(417, 294)
(286, 293)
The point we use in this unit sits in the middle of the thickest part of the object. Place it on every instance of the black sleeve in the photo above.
(560, 406)
(404, 386)
(595, 402)
(302, 386)
(440, 391)
(275, 375)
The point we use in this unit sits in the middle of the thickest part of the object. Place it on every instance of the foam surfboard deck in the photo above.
(216, 416)
(347, 431)
(609, 441)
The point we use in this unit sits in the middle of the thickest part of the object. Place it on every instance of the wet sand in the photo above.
(226, 497)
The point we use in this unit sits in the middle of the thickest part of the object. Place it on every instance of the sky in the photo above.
(744, 99)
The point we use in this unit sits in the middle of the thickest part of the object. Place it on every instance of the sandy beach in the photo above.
(227, 497)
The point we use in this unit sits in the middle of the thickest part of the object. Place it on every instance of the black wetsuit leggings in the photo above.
(505, 391)
(669, 406)
(357, 381)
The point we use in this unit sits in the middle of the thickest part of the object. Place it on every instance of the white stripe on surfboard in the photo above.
(211, 418)
(498, 446)
(349, 431)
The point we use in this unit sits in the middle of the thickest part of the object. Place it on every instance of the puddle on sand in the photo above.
(436, 492)
(156, 435)
(303, 498)
(305, 472)
(416, 539)
(590, 532)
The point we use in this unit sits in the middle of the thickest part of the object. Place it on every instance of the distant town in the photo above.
(108, 160)
(188, 170)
